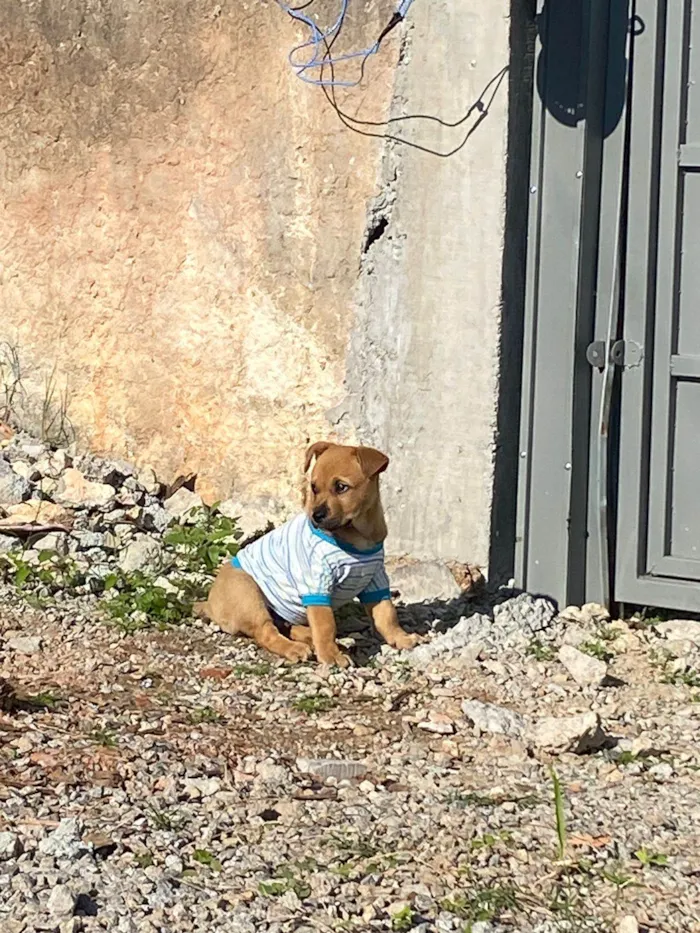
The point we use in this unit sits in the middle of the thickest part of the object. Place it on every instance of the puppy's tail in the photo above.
(201, 610)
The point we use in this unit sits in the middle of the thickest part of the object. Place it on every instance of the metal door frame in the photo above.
(644, 574)
(575, 186)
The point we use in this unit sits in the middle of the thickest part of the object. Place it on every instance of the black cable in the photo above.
(347, 120)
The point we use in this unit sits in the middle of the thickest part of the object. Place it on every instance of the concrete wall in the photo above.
(180, 229)
(423, 369)
(184, 244)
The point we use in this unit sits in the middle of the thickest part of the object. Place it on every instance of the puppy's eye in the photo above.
(314, 489)
(340, 488)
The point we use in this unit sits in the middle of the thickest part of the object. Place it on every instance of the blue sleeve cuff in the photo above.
(374, 596)
(316, 599)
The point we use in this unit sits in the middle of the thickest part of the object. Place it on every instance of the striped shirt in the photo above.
(298, 565)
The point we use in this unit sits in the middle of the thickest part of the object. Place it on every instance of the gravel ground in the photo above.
(161, 781)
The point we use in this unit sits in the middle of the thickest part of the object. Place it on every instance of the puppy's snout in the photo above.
(320, 513)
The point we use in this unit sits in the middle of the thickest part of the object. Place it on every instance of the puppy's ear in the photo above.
(372, 461)
(315, 450)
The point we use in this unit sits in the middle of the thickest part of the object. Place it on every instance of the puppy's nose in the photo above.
(319, 513)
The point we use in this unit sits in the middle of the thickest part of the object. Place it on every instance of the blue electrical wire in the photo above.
(319, 40)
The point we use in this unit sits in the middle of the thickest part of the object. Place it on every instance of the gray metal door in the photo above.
(658, 518)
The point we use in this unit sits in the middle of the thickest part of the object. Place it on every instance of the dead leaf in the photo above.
(594, 842)
(215, 673)
(44, 759)
(6, 432)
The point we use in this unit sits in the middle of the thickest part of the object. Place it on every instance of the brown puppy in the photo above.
(318, 560)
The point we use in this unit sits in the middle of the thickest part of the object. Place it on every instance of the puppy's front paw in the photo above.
(403, 641)
(334, 657)
(298, 651)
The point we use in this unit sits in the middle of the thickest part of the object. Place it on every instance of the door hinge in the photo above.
(622, 353)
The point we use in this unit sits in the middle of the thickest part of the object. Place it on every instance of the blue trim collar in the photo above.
(341, 544)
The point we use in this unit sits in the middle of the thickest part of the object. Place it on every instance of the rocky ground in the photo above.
(521, 771)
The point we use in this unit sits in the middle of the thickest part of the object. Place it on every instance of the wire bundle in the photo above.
(310, 58)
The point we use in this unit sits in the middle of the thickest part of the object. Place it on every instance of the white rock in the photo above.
(174, 863)
(579, 734)
(62, 901)
(24, 644)
(575, 635)
(202, 787)
(584, 669)
(680, 630)
(33, 451)
(64, 841)
(588, 614)
(252, 518)
(661, 772)
(26, 470)
(141, 554)
(269, 772)
(339, 768)
(180, 504)
(148, 479)
(13, 488)
(37, 512)
(75, 490)
(53, 541)
(628, 924)
(10, 846)
(424, 581)
(497, 720)
(439, 723)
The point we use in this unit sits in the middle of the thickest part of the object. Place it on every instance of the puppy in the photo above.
(318, 561)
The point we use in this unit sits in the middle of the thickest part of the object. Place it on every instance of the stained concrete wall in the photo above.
(423, 371)
(184, 244)
(180, 229)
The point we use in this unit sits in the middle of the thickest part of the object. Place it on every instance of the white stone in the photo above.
(269, 772)
(424, 581)
(24, 644)
(628, 924)
(680, 630)
(182, 502)
(141, 554)
(64, 841)
(10, 846)
(579, 734)
(13, 488)
(497, 720)
(584, 669)
(339, 768)
(62, 901)
(75, 490)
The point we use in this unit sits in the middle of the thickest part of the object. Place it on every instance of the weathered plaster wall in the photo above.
(180, 229)
(182, 226)
(423, 370)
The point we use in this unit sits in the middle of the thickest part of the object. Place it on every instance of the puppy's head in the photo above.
(343, 489)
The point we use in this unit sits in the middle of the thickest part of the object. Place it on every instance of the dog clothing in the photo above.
(298, 565)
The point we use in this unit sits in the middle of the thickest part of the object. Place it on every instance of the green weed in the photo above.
(403, 919)
(161, 819)
(650, 859)
(539, 651)
(483, 903)
(596, 649)
(203, 714)
(314, 704)
(204, 857)
(560, 817)
(203, 546)
(260, 669)
(134, 602)
(103, 737)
